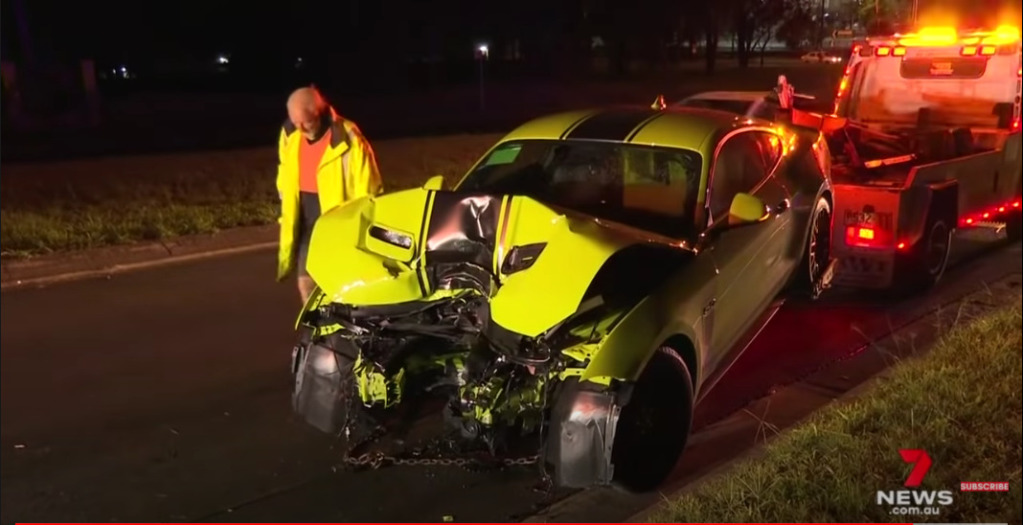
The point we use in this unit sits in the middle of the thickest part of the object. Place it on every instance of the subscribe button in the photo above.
(984, 486)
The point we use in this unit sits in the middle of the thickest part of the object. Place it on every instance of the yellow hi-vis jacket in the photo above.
(347, 171)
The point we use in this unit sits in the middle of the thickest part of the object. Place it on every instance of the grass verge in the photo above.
(961, 402)
(63, 206)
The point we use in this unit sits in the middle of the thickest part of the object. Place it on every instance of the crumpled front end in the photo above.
(489, 301)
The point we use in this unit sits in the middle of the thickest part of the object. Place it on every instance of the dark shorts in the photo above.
(308, 211)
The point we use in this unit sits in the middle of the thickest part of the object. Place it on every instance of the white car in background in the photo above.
(820, 57)
(752, 104)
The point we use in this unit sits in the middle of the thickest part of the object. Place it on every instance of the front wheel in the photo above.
(654, 426)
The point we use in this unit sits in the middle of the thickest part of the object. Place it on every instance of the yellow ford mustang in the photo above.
(589, 279)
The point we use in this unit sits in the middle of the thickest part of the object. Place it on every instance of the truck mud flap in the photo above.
(323, 386)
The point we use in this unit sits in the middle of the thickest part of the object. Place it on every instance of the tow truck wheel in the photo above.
(924, 266)
(817, 254)
(936, 251)
(654, 425)
(1013, 225)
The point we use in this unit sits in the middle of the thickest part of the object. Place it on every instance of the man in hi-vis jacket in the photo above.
(324, 161)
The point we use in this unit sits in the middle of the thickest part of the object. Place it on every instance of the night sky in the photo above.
(121, 29)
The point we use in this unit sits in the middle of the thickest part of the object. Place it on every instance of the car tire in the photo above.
(653, 427)
(1014, 225)
(816, 251)
(925, 265)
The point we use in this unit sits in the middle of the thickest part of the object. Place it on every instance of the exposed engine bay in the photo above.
(361, 367)
(492, 381)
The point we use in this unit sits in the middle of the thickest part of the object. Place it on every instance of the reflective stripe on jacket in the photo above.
(347, 171)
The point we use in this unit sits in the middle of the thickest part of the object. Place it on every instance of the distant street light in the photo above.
(482, 54)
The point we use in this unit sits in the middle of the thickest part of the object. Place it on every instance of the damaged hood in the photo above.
(534, 261)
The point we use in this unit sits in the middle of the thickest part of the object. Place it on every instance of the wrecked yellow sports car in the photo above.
(586, 282)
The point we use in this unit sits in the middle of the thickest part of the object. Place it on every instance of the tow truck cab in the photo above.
(925, 140)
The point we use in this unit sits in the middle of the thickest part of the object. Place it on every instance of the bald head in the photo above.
(306, 108)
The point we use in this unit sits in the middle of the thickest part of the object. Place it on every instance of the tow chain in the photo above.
(417, 457)
(376, 460)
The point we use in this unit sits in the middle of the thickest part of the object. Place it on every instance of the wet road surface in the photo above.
(162, 395)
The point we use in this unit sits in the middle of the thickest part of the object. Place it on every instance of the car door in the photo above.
(742, 255)
(776, 261)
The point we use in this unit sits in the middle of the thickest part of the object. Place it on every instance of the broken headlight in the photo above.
(390, 237)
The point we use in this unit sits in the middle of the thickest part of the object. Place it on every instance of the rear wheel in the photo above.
(924, 266)
(1013, 224)
(817, 254)
(653, 427)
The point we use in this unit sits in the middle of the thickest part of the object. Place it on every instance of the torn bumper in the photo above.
(581, 437)
(323, 384)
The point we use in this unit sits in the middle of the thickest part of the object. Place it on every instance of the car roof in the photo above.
(750, 96)
(676, 127)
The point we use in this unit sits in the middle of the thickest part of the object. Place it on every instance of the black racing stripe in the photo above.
(475, 221)
(644, 124)
(574, 124)
(615, 124)
(422, 233)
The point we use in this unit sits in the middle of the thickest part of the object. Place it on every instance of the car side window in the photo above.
(767, 111)
(739, 168)
(770, 149)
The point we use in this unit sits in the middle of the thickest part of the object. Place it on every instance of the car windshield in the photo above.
(732, 106)
(654, 189)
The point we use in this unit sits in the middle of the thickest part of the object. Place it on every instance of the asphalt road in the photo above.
(162, 395)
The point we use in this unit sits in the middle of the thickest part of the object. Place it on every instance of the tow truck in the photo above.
(925, 148)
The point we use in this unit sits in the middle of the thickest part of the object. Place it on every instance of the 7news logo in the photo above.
(912, 500)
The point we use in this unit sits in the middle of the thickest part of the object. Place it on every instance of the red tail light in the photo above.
(988, 50)
(883, 51)
(899, 52)
(865, 237)
(969, 51)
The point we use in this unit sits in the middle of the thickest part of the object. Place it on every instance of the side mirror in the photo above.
(435, 183)
(747, 209)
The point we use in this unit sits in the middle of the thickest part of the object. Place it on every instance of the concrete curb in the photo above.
(49, 269)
